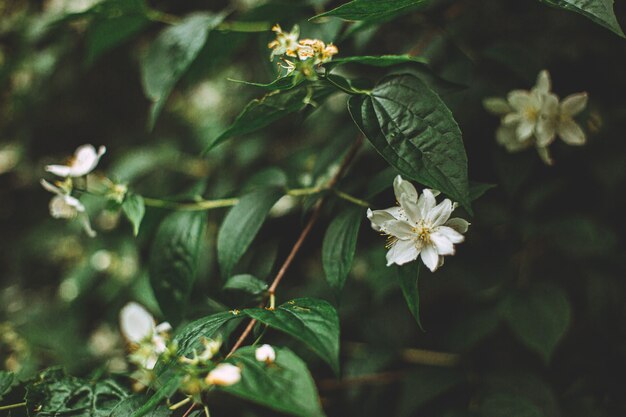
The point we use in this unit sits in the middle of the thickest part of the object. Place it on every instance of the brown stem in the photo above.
(303, 235)
(190, 409)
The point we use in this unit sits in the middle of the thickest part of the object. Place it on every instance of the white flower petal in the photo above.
(544, 154)
(458, 224)
(224, 374)
(164, 327)
(497, 106)
(571, 133)
(60, 209)
(525, 129)
(398, 228)
(84, 219)
(546, 125)
(401, 252)
(59, 170)
(85, 160)
(430, 257)
(426, 203)
(574, 104)
(136, 323)
(452, 235)
(50, 187)
(439, 214)
(378, 218)
(543, 84)
(401, 186)
(410, 208)
(442, 244)
(520, 99)
(265, 353)
(511, 119)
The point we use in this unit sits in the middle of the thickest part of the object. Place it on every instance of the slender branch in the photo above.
(196, 206)
(352, 199)
(303, 235)
(12, 406)
(190, 409)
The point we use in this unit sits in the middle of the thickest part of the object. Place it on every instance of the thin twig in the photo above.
(190, 409)
(303, 235)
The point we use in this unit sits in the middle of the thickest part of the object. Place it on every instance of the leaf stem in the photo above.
(352, 199)
(196, 206)
(12, 406)
(303, 235)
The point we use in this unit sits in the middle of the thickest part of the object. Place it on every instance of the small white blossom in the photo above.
(211, 347)
(224, 374)
(265, 353)
(139, 328)
(418, 226)
(536, 117)
(84, 161)
(64, 206)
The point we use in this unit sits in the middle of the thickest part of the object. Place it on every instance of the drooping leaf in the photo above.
(408, 277)
(55, 394)
(134, 208)
(130, 405)
(415, 132)
(285, 386)
(339, 246)
(6, 381)
(171, 53)
(539, 317)
(262, 112)
(371, 9)
(241, 225)
(173, 260)
(599, 11)
(246, 283)
(312, 321)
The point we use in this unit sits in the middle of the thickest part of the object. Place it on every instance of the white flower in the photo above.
(211, 347)
(286, 43)
(84, 161)
(558, 119)
(265, 353)
(224, 374)
(419, 226)
(64, 206)
(139, 328)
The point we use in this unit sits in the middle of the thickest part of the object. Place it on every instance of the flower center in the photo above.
(422, 231)
(531, 113)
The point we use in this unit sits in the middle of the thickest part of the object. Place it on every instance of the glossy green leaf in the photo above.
(408, 277)
(6, 381)
(241, 225)
(371, 9)
(134, 208)
(189, 338)
(55, 394)
(171, 53)
(599, 11)
(262, 112)
(130, 405)
(285, 386)
(539, 317)
(173, 260)
(246, 283)
(314, 322)
(339, 246)
(105, 34)
(164, 391)
(415, 132)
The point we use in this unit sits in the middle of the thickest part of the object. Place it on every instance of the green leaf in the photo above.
(241, 225)
(6, 381)
(371, 9)
(171, 53)
(340, 245)
(285, 386)
(134, 208)
(246, 283)
(131, 404)
(508, 405)
(173, 260)
(599, 11)
(189, 338)
(262, 112)
(377, 61)
(314, 322)
(55, 394)
(415, 132)
(165, 391)
(105, 34)
(539, 317)
(408, 277)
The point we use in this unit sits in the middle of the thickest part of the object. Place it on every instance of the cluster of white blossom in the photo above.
(63, 205)
(418, 226)
(536, 117)
(308, 51)
(149, 341)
